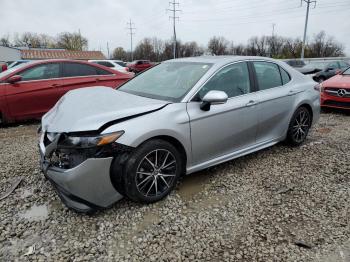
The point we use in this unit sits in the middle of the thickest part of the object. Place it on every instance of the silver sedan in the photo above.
(181, 116)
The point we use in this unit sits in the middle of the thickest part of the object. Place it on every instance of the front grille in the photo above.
(336, 103)
(333, 91)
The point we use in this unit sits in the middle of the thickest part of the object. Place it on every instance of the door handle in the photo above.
(251, 103)
(98, 79)
(55, 85)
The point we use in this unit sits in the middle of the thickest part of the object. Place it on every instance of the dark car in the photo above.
(295, 63)
(331, 69)
(138, 66)
(302, 67)
(29, 90)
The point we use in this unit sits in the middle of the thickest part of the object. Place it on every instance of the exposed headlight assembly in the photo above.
(90, 141)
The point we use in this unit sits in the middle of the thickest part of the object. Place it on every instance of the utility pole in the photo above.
(272, 46)
(308, 2)
(131, 29)
(80, 42)
(108, 51)
(173, 9)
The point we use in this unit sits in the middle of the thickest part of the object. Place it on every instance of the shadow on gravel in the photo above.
(335, 111)
(21, 123)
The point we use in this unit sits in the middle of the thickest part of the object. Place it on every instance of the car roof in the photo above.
(219, 59)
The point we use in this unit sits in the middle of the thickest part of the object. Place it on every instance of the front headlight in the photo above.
(90, 141)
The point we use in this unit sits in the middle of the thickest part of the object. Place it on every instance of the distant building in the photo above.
(17, 53)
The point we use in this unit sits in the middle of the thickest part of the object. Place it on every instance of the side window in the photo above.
(233, 80)
(76, 69)
(45, 71)
(285, 76)
(104, 63)
(267, 74)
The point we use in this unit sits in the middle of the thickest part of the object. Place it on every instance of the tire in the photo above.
(152, 171)
(299, 126)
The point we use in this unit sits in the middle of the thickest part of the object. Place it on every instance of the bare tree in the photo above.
(72, 41)
(323, 46)
(28, 39)
(120, 54)
(158, 49)
(218, 45)
(5, 40)
(144, 50)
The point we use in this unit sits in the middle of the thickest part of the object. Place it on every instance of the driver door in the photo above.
(228, 127)
(36, 93)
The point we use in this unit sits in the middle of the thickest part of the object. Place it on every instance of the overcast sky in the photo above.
(103, 21)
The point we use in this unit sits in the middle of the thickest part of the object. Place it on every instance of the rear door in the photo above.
(276, 98)
(79, 75)
(38, 91)
(227, 127)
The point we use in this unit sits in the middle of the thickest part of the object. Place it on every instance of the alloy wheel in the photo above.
(156, 173)
(301, 125)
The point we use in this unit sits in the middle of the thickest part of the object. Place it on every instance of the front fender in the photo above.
(171, 121)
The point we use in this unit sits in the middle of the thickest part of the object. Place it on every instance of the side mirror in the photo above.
(338, 71)
(213, 97)
(14, 79)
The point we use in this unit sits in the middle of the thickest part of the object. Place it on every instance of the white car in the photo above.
(114, 64)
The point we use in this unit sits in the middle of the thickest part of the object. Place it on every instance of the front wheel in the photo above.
(299, 126)
(152, 171)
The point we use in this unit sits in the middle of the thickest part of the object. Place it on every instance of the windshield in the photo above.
(346, 72)
(168, 81)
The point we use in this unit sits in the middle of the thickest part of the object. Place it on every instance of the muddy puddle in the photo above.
(192, 185)
(36, 213)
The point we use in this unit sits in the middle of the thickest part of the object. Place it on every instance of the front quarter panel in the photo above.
(171, 121)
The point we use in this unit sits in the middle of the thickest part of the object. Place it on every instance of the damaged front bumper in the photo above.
(84, 187)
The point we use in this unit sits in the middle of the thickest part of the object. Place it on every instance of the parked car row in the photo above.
(319, 70)
(30, 89)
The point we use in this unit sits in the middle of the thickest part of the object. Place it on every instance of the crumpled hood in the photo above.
(87, 109)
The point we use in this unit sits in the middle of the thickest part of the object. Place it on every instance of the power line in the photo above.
(131, 29)
(174, 5)
(306, 22)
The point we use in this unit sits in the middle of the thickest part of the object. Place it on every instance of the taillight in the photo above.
(3, 68)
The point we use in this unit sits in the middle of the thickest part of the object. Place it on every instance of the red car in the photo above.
(335, 92)
(138, 66)
(29, 90)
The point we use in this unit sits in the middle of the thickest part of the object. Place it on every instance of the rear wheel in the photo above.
(152, 171)
(299, 126)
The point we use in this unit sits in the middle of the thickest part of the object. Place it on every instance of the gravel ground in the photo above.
(280, 204)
